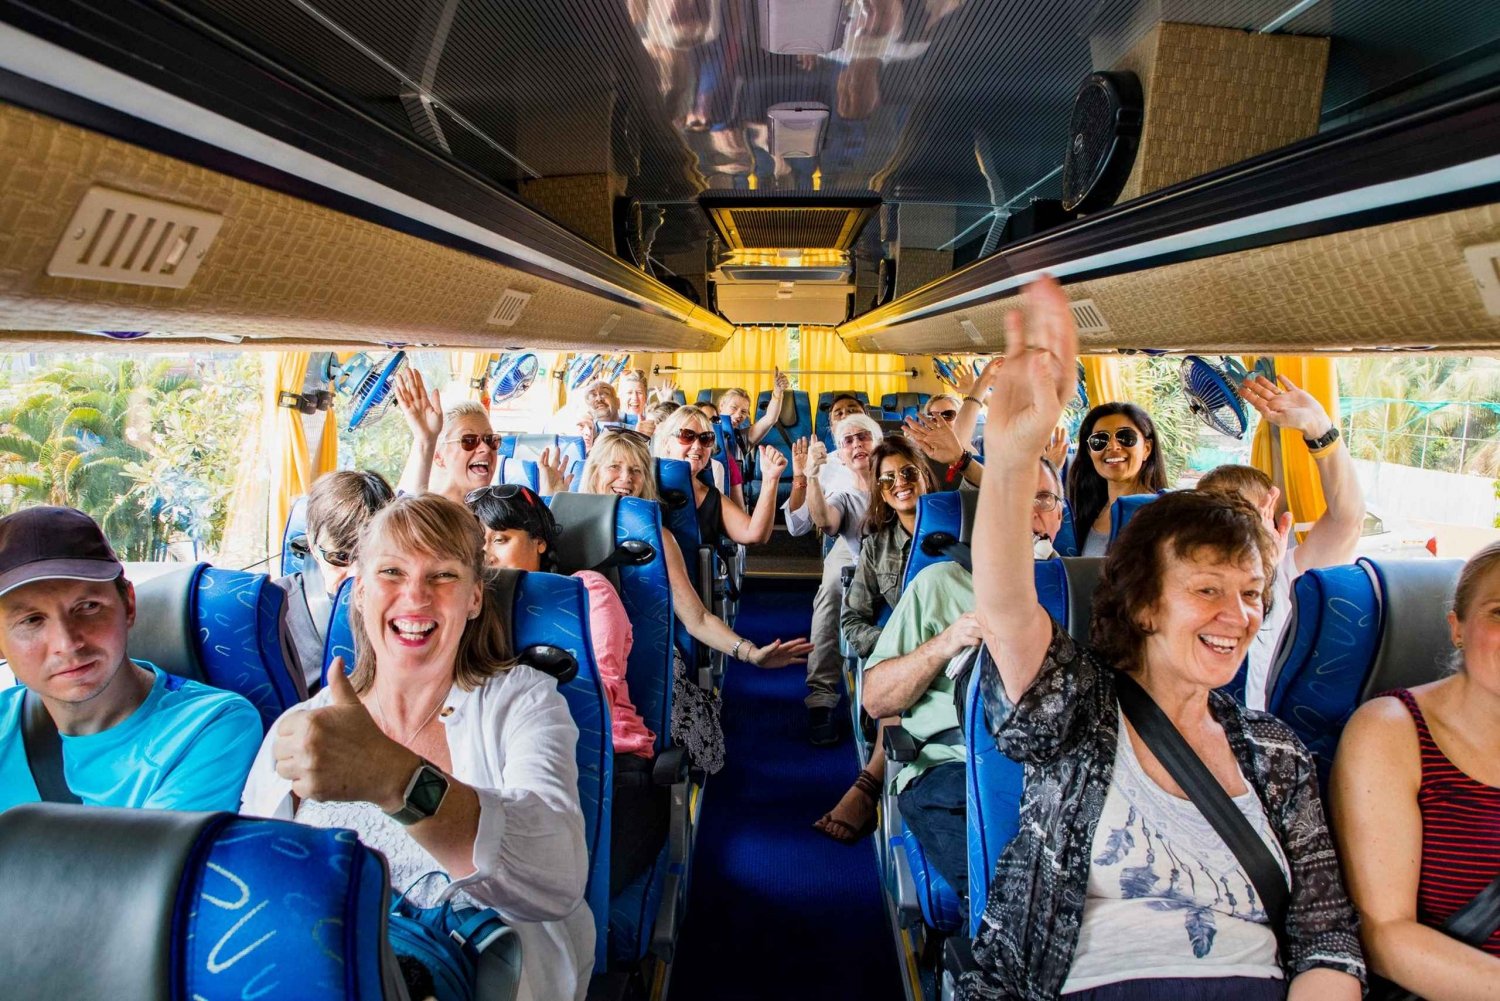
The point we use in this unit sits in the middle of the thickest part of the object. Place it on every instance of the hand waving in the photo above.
(1057, 447)
(935, 437)
(817, 454)
(799, 457)
(781, 383)
(666, 392)
(1287, 406)
(772, 464)
(780, 653)
(1036, 381)
(423, 410)
(552, 466)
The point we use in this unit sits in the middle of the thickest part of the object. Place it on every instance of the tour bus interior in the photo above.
(220, 218)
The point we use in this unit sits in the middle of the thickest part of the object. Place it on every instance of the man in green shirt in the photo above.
(929, 636)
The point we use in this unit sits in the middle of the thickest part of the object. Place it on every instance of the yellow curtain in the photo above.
(466, 366)
(558, 373)
(757, 349)
(1299, 473)
(284, 441)
(327, 458)
(1101, 376)
(824, 351)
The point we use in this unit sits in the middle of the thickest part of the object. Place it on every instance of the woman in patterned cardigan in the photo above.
(1116, 886)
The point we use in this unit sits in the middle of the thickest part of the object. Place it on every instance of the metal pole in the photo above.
(910, 373)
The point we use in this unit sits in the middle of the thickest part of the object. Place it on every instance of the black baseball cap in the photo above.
(53, 543)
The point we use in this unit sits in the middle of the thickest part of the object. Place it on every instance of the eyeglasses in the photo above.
(948, 415)
(339, 558)
(704, 438)
(1045, 500)
(469, 442)
(908, 474)
(859, 437)
(1126, 437)
(502, 491)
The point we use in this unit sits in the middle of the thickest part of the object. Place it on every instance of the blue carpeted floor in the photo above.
(776, 909)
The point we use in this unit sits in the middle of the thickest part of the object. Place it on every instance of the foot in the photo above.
(854, 818)
(823, 726)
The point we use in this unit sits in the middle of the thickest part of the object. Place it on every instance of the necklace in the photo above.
(407, 739)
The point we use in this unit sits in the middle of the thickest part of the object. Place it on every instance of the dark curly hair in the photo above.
(1088, 492)
(1179, 524)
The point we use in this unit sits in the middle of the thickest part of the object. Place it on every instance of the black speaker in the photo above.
(1102, 140)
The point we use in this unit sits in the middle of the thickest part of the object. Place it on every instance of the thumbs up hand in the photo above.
(337, 753)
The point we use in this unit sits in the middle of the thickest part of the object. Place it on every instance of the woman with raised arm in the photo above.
(621, 464)
(1123, 459)
(1416, 801)
(452, 452)
(739, 408)
(1116, 885)
(440, 750)
(686, 435)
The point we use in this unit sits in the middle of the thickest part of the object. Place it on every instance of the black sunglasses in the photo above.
(908, 474)
(1127, 437)
(502, 491)
(704, 438)
(340, 558)
(469, 442)
(948, 415)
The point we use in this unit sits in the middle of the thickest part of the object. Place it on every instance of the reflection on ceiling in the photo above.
(952, 113)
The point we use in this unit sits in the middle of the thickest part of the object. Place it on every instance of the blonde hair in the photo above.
(674, 422)
(942, 396)
(734, 392)
(606, 448)
(1248, 481)
(464, 409)
(434, 525)
(637, 375)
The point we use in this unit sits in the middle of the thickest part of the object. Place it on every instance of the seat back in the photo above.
(526, 446)
(951, 513)
(339, 641)
(1081, 575)
(522, 471)
(674, 482)
(197, 905)
(1069, 541)
(900, 405)
(795, 422)
(225, 628)
(1354, 632)
(710, 395)
(549, 609)
(294, 534)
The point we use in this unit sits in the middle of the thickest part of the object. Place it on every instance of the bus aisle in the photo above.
(777, 909)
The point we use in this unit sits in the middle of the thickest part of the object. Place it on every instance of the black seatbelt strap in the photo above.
(44, 753)
(1184, 765)
(1477, 920)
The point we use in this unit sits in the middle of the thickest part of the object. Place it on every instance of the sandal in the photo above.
(844, 832)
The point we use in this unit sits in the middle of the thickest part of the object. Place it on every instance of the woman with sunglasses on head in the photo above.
(842, 512)
(521, 534)
(1120, 440)
(452, 452)
(687, 435)
(901, 478)
(621, 464)
(440, 750)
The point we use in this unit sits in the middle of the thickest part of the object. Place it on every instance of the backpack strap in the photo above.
(44, 753)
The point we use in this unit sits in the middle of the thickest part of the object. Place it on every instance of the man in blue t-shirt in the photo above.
(131, 735)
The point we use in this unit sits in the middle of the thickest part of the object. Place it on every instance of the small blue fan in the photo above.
(614, 367)
(1213, 395)
(369, 385)
(583, 368)
(512, 375)
(943, 369)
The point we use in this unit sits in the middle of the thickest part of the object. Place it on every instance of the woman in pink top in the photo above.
(520, 534)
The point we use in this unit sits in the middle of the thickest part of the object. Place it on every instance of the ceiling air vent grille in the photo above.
(508, 310)
(118, 237)
(1087, 318)
(788, 222)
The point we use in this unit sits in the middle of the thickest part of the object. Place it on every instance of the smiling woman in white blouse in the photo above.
(440, 750)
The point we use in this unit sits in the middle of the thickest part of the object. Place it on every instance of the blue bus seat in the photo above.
(572, 447)
(950, 512)
(645, 916)
(796, 422)
(225, 628)
(711, 395)
(294, 540)
(1121, 511)
(674, 482)
(522, 471)
(1356, 631)
(526, 446)
(220, 906)
(900, 405)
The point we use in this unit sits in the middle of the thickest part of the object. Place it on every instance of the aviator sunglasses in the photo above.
(1127, 438)
(469, 442)
(908, 474)
(704, 438)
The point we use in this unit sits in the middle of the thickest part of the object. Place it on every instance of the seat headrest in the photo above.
(165, 630)
(1083, 580)
(1415, 642)
(674, 482)
(294, 540)
(79, 928)
(585, 530)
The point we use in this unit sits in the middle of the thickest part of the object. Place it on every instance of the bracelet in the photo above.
(735, 650)
(970, 399)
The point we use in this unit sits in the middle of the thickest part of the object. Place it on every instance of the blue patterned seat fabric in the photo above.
(296, 529)
(340, 639)
(522, 471)
(1067, 542)
(796, 422)
(277, 909)
(941, 909)
(951, 511)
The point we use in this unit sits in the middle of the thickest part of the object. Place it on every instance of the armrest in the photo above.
(670, 767)
(899, 745)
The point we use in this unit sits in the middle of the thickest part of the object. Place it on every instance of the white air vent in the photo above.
(797, 128)
(800, 27)
(970, 331)
(608, 326)
(508, 310)
(1484, 264)
(1087, 318)
(119, 237)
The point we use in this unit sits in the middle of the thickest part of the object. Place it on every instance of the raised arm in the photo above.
(828, 517)
(799, 477)
(424, 416)
(1333, 537)
(1374, 796)
(974, 388)
(758, 431)
(755, 528)
(937, 440)
(1026, 400)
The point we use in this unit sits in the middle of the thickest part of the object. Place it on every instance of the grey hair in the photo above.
(862, 421)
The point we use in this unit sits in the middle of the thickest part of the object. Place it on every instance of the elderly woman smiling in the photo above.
(439, 749)
(1116, 885)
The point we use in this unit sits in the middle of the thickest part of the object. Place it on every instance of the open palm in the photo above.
(1030, 390)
